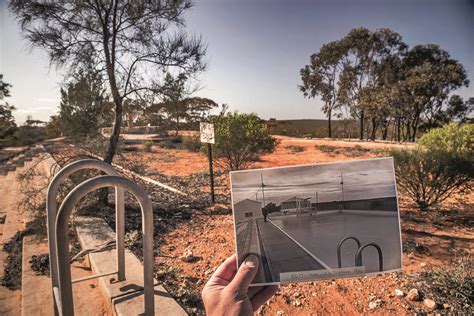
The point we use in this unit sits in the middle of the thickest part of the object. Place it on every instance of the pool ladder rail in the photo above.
(358, 255)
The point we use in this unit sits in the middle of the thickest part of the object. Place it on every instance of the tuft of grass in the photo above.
(452, 284)
(295, 149)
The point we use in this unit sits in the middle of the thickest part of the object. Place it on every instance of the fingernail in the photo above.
(251, 261)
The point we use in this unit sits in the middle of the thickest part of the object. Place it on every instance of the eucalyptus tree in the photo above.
(131, 43)
(430, 76)
(321, 77)
(366, 53)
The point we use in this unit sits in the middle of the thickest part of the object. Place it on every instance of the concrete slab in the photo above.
(36, 297)
(126, 296)
(133, 304)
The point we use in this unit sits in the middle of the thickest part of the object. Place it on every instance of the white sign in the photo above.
(207, 132)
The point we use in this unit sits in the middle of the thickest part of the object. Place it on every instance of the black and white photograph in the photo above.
(318, 221)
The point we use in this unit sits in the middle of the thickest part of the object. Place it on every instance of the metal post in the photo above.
(120, 232)
(342, 189)
(66, 304)
(52, 210)
(211, 171)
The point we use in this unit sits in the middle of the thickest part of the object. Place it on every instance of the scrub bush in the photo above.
(240, 139)
(428, 177)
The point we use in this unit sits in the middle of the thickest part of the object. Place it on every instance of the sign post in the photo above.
(207, 136)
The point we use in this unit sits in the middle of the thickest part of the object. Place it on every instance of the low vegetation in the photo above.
(295, 149)
(452, 283)
(240, 139)
(441, 167)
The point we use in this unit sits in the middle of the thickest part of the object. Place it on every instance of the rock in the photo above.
(423, 264)
(399, 293)
(296, 294)
(187, 256)
(429, 304)
(280, 312)
(297, 303)
(373, 305)
(446, 306)
(413, 295)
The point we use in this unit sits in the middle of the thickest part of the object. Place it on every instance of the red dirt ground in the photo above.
(210, 237)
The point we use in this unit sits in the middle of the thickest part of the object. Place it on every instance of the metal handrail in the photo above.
(339, 245)
(358, 257)
(61, 237)
(52, 210)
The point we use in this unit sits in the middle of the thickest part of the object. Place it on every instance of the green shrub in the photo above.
(240, 139)
(453, 137)
(148, 145)
(428, 177)
(191, 144)
(295, 149)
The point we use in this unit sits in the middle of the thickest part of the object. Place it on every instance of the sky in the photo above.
(257, 47)
(362, 179)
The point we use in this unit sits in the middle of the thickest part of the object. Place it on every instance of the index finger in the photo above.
(225, 272)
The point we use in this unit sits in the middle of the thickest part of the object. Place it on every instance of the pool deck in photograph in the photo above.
(309, 242)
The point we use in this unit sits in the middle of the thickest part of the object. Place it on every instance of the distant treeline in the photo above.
(316, 128)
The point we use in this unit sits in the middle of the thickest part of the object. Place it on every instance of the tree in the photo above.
(198, 109)
(131, 43)
(83, 101)
(7, 121)
(366, 53)
(4, 88)
(458, 109)
(177, 107)
(240, 139)
(321, 77)
(53, 127)
(429, 76)
(174, 91)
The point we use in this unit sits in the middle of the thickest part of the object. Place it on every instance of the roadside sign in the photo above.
(207, 132)
(207, 136)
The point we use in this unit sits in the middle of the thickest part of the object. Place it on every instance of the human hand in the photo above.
(228, 293)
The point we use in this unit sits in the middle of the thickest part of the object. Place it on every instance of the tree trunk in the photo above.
(385, 131)
(362, 125)
(398, 129)
(114, 138)
(329, 125)
(374, 129)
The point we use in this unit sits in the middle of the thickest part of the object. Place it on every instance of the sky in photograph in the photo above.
(362, 179)
(257, 47)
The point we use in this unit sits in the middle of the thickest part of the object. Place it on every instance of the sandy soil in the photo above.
(210, 238)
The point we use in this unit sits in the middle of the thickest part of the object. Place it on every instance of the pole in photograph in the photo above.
(207, 136)
(342, 190)
(263, 190)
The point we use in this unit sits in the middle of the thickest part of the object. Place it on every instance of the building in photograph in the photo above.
(247, 209)
(295, 205)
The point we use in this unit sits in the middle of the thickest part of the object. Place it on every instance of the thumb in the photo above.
(244, 276)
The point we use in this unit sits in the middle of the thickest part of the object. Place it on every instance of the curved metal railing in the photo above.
(358, 257)
(339, 245)
(58, 237)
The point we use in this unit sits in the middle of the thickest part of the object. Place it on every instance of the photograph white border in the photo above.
(312, 164)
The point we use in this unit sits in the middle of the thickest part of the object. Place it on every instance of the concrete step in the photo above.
(36, 298)
(126, 296)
